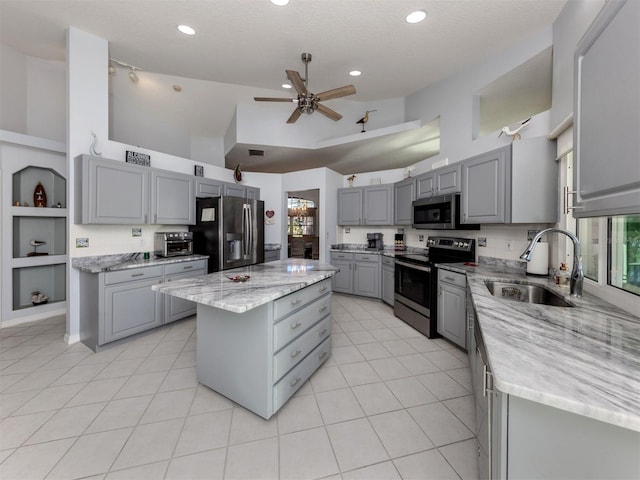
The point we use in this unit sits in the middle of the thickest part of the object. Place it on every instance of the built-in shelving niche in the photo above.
(26, 180)
(51, 230)
(47, 279)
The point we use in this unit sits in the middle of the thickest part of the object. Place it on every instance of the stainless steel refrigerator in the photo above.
(230, 230)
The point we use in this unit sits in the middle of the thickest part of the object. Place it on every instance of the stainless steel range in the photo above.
(415, 298)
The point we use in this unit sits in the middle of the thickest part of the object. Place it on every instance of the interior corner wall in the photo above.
(13, 90)
(452, 99)
(87, 111)
(46, 99)
(208, 150)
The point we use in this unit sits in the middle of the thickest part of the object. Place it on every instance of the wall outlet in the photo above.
(482, 241)
(508, 245)
(347, 230)
(136, 232)
(531, 234)
(82, 242)
(421, 238)
(400, 230)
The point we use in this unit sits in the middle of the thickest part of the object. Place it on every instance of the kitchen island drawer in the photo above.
(285, 305)
(341, 256)
(183, 267)
(286, 359)
(131, 274)
(293, 380)
(292, 326)
(367, 257)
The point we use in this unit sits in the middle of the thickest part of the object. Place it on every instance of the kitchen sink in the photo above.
(527, 293)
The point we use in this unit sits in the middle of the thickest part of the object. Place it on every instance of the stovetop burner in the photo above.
(443, 250)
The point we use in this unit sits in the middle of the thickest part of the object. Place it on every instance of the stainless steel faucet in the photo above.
(577, 275)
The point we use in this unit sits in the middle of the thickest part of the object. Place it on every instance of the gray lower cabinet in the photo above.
(388, 280)
(366, 275)
(404, 193)
(514, 184)
(607, 117)
(110, 192)
(116, 305)
(172, 198)
(260, 358)
(342, 281)
(452, 321)
(359, 273)
(271, 255)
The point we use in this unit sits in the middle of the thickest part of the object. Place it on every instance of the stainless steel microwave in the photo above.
(441, 212)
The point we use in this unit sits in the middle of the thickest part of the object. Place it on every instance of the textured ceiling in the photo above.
(252, 42)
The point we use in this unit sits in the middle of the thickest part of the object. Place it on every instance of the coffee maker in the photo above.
(374, 241)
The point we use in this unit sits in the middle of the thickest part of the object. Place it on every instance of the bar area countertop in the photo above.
(266, 282)
(123, 261)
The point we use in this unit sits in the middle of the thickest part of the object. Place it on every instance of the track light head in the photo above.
(132, 75)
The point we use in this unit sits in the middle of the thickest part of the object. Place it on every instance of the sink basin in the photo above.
(523, 292)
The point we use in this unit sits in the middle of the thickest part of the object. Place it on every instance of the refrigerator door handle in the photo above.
(246, 230)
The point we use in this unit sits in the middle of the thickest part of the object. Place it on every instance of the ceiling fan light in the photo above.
(280, 3)
(186, 29)
(355, 73)
(416, 17)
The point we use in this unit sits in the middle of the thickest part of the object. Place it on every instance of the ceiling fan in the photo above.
(309, 102)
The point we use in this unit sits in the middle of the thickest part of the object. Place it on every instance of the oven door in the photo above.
(413, 286)
(175, 248)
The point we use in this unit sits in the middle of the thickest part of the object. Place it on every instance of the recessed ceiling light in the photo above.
(416, 17)
(355, 73)
(186, 29)
(280, 3)
(177, 88)
(286, 85)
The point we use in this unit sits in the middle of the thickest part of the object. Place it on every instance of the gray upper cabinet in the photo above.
(350, 206)
(514, 184)
(172, 198)
(110, 192)
(378, 205)
(253, 193)
(607, 117)
(233, 190)
(439, 182)
(404, 193)
(207, 187)
(484, 179)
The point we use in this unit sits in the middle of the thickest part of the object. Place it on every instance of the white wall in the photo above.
(13, 90)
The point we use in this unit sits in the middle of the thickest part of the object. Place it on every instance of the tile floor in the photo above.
(389, 404)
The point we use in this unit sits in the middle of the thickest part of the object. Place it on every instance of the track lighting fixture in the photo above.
(132, 69)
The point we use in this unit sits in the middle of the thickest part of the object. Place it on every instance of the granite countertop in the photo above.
(267, 282)
(385, 253)
(583, 359)
(111, 263)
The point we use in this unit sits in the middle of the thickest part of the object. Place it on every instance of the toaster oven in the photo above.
(173, 244)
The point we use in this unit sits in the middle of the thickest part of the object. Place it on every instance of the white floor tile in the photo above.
(400, 434)
(389, 368)
(15, 430)
(359, 373)
(440, 425)
(465, 409)
(204, 432)
(376, 398)
(97, 391)
(153, 471)
(356, 444)
(299, 413)
(410, 392)
(149, 443)
(168, 405)
(327, 378)
(429, 465)
(206, 400)
(33, 462)
(124, 412)
(462, 457)
(51, 398)
(66, 423)
(442, 385)
(254, 460)
(247, 427)
(306, 455)
(347, 354)
(444, 360)
(143, 384)
(373, 351)
(417, 364)
(200, 466)
(338, 406)
(379, 471)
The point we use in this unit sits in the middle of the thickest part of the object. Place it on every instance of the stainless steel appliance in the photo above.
(230, 230)
(374, 241)
(441, 212)
(415, 286)
(173, 244)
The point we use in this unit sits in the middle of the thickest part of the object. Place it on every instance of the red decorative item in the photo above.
(39, 196)
(269, 213)
(237, 174)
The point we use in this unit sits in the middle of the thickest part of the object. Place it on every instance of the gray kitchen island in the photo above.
(259, 340)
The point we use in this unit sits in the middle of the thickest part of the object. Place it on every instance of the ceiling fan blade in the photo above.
(327, 112)
(337, 93)
(271, 99)
(294, 116)
(296, 80)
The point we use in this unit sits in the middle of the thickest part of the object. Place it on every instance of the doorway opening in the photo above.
(303, 239)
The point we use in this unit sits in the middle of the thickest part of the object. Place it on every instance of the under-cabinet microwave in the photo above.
(441, 212)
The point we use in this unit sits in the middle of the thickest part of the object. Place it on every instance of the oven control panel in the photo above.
(450, 243)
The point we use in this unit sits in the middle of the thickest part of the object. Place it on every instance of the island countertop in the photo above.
(267, 282)
(584, 359)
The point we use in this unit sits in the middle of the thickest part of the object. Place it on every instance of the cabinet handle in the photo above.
(293, 383)
(295, 302)
(323, 289)
(451, 279)
(322, 332)
(145, 218)
(322, 355)
(296, 325)
(568, 192)
(295, 353)
(137, 275)
(155, 219)
(322, 308)
(487, 384)
(187, 268)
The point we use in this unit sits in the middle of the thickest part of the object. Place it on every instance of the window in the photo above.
(301, 217)
(589, 233)
(623, 257)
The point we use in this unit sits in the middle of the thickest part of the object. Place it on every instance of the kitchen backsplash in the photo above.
(502, 241)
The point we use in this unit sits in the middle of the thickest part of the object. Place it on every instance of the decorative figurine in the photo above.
(93, 149)
(351, 179)
(365, 119)
(39, 196)
(35, 244)
(38, 298)
(237, 174)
